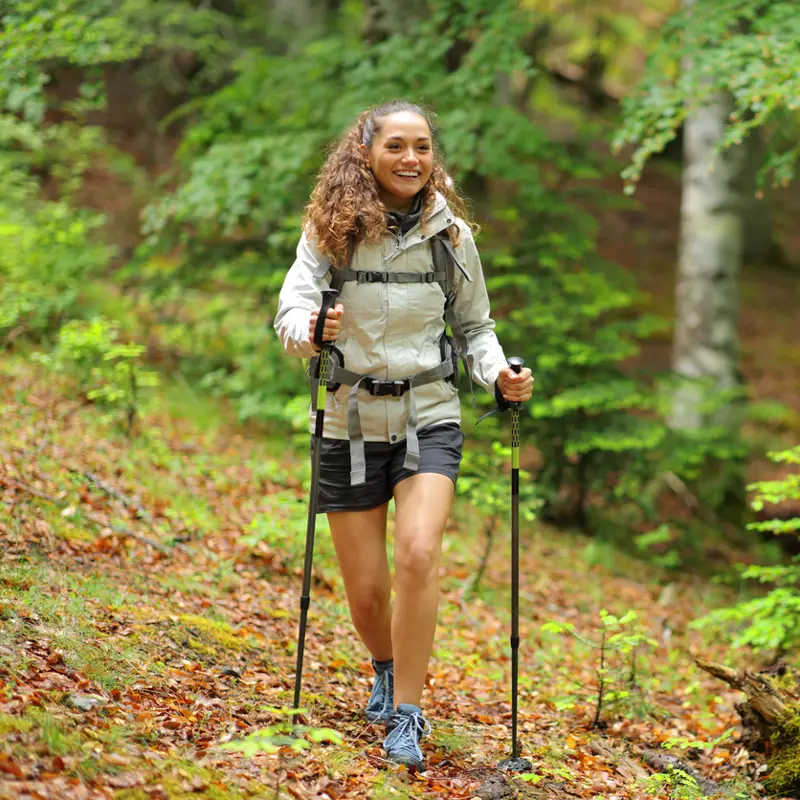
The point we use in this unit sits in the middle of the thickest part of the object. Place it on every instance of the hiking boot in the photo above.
(381, 702)
(405, 728)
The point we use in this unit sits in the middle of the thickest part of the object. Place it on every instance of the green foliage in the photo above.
(485, 481)
(220, 238)
(674, 785)
(621, 638)
(47, 252)
(694, 744)
(283, 734)
(770, 621)
(109, 373)
(746, 47)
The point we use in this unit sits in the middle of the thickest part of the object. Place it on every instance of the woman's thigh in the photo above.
(423, 504)
(359, 538)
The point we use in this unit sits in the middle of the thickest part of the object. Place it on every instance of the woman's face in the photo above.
(401, 158)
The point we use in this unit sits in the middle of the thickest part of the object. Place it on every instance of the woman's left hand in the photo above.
(515, 388)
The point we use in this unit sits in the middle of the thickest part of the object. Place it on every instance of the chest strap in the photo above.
(370, 276)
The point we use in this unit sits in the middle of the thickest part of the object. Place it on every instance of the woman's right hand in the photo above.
(332, 327)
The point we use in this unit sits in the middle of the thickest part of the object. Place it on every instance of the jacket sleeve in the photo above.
(301, 294)
(475, 328)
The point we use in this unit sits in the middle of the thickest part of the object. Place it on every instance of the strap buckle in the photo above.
(387, 388)
(363, 276)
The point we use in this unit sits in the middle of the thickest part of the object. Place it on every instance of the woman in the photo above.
(381, 207)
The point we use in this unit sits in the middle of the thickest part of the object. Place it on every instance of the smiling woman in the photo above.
(358, 185)
(386, 228)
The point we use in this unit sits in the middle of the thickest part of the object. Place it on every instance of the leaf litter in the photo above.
(125, 668)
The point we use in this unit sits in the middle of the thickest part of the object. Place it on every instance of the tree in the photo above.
(750, 48)
(710, 256)
(740, 72)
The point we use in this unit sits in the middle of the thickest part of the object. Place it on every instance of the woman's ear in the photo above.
(365, 152)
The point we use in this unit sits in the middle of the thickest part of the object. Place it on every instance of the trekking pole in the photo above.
(328, 300)
(514, 763)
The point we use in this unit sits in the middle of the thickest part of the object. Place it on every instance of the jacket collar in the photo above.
(441, 219)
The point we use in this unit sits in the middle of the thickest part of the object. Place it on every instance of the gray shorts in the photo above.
(439, 451)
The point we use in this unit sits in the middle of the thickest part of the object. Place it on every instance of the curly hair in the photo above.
(345, 206)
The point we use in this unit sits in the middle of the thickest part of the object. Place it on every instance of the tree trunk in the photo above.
(771, 719)
(706, 337)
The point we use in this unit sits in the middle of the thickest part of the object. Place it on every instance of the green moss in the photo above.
(784, 766)
(214, 633)
(71, 533)
(201, 647)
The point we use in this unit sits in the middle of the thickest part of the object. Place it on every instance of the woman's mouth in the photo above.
(407, 175)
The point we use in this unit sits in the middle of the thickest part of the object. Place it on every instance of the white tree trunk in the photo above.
(706, 336)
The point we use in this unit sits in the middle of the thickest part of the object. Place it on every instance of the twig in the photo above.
(112, 491)
(121, 529)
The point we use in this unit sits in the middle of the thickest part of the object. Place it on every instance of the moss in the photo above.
(10, 724)
(213, 632)
(201, 647)
(784, 766)
(73, 534)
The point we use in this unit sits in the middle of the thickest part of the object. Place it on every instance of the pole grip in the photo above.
(516, 363)
(328, 302)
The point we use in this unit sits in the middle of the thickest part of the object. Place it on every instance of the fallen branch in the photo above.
(120, 529)
(112, 491)
(763, 697)
(770, 720)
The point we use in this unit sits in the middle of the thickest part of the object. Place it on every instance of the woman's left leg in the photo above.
(422, 505)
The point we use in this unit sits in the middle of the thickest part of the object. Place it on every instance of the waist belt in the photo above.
(383, 388)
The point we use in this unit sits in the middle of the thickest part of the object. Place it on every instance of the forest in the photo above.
(631, 169)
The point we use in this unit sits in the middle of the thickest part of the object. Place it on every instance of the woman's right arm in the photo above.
(301, 294)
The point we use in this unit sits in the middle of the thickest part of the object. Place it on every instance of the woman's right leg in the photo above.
(360, 541)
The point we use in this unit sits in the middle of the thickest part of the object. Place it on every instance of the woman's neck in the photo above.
(397, 204)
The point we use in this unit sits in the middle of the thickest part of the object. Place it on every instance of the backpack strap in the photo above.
(368, 276)
(445, 260)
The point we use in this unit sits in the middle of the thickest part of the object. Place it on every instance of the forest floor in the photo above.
(125, 667)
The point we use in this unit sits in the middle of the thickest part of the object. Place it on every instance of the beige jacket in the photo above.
(392, 330)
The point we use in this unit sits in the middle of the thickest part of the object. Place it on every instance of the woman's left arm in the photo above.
(475, 329)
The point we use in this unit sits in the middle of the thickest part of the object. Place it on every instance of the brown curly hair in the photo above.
(345, 207)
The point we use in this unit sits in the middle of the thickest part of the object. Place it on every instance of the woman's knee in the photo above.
(416, 560)
(368, 603)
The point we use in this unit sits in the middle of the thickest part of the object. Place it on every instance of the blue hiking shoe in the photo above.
(381, 702)
(406, 727)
